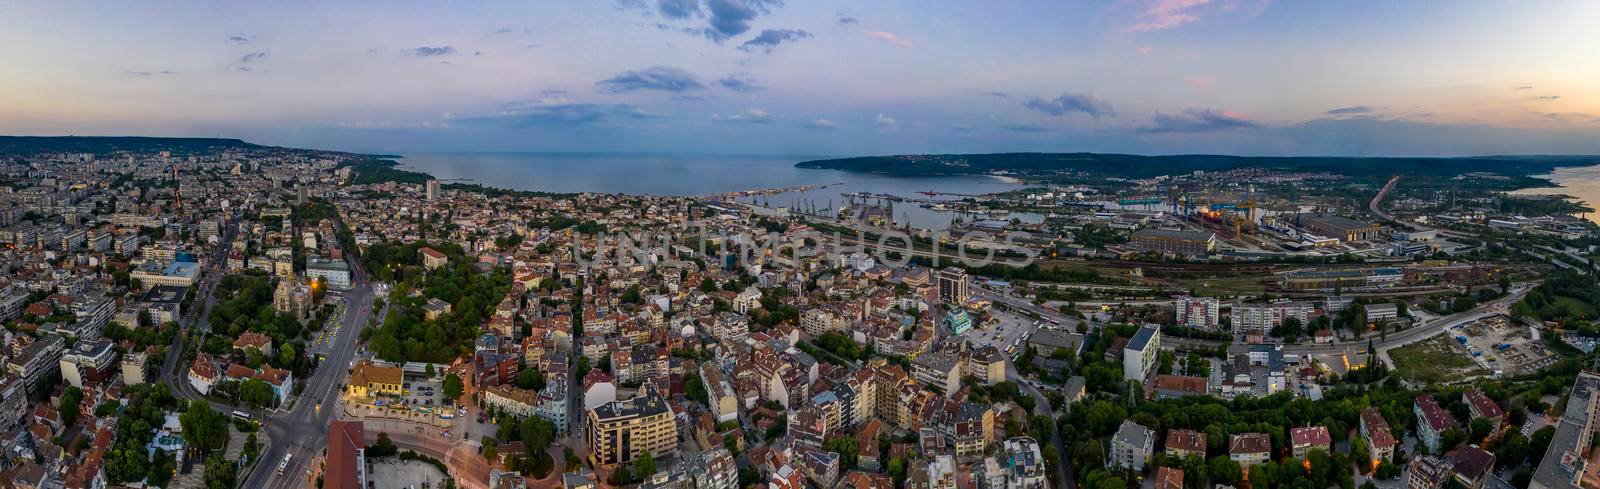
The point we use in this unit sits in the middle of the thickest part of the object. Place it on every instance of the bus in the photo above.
(241, 415)
(284, 465)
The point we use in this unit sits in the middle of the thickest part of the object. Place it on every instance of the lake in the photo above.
(1581, 183)
(690, 175)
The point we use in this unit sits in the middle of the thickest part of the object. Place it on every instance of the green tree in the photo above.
(645, 466)
(845, 446)
(162, 469)
(220, 472)
(71, 402)
(257, 393)
(1224, 470)
(695, 389)
(1480, 429)
(452, 386)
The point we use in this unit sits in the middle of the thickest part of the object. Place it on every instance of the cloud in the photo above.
(255, 57)
(822, 124)
(509, 30)
(1067, 103)
(241, 38)
(740, 82)
(1524, 87)
(731, 18)
(664, 78)
(962, 128)
(552, 92)
(847, 20)
(996, 94)
(429, 51)
(888, 37)
(886, 124)
(1166, 14)
(1199, 82)
(1145, 50)
(1351, 110)
(1025, 127)
(1547, 97)
(771, 38)
(749, 116)
(678, 9)
(1198, 120)
(137, 73)
(555, 112)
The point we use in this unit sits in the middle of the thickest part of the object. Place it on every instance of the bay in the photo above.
(700, 175)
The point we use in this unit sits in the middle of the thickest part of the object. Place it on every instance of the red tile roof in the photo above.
(344, 438)
(1378, 431)
(1310, 436)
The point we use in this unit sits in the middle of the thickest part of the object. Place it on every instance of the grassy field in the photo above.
(1437, 360)
(1575, 307)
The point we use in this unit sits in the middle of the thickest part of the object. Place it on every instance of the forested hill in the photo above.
(113, 144)
(1137, 166)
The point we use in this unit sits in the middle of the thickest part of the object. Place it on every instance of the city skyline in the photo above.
(830, 78)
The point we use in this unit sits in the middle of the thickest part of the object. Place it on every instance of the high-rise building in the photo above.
(953, 285)
(622, 431)
(301, 194)
(432, 190)
(1197, 312)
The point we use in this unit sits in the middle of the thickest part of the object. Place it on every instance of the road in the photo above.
(1377, 200)
(1041, 406)
(302, 430)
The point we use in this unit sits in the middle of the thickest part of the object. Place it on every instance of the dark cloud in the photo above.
(1354, 109)
(771, 38)
(1068, 103)
(740, 82)
(678, 9)
(1524, 87)
(429, 51)
(508, 30)
(1548, 97)
(137, 73)
(1197, 120)
(255, 57)
(996, 94)
(241, 38)
(552, 92)
(664, 78)
(556, 113)
(731, 18)
(846, 20)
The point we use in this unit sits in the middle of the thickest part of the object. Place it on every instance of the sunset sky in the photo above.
(816, 77)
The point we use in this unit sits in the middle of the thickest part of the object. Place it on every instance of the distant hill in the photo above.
(112, 144)
(1137, 166)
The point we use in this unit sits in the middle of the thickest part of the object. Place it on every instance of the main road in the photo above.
(302, 430)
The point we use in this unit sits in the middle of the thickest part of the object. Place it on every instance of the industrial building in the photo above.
(1175, 241)
(1340, 227)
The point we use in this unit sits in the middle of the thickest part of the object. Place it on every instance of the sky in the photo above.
(836, 78)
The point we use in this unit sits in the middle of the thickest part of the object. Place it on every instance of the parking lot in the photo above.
(423, 394)
(1005, 331)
